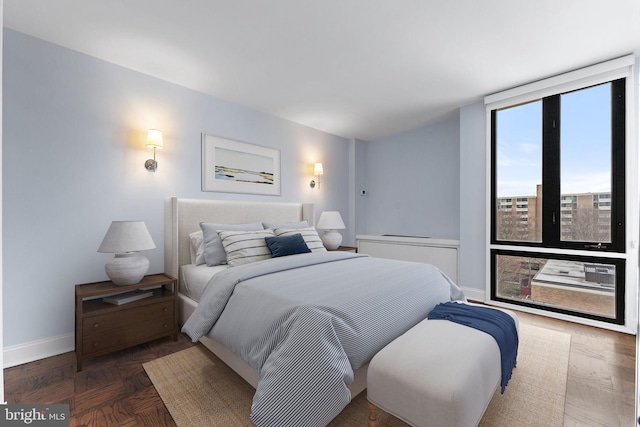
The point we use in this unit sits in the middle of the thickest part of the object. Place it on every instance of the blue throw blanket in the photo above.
(496, 323)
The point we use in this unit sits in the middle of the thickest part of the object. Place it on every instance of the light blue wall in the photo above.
(73, 155)
(361, 184)
(413, 183)
(473, 179)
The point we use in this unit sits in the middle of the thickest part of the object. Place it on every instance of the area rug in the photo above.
(198, 389)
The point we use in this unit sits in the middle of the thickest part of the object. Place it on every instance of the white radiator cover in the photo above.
(443, 253)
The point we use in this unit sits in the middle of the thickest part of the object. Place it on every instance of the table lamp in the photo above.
(125, 239)
(330, 221)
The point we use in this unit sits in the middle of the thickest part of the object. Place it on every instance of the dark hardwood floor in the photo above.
(111, 390)
(114, 390)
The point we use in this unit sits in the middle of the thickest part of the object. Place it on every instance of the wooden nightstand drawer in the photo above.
(100, 323)
(126, 336)
(102, 327)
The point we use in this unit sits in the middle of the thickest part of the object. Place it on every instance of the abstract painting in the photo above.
(239, 167)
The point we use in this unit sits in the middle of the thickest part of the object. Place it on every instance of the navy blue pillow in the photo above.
(286, 245)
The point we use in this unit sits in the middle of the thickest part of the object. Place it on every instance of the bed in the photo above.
(296, 383)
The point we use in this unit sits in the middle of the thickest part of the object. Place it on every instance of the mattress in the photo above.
(194, 279)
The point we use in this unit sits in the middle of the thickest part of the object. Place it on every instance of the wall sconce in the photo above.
(317, 171)
(154, 140)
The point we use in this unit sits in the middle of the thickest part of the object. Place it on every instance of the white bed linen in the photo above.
(315, 317)
(195, 278)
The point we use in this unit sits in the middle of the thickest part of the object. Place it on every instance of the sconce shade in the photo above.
(317, 171)
(125, 238)
(330, 221)
(154, 139)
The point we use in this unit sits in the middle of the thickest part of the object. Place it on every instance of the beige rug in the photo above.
(198, 389)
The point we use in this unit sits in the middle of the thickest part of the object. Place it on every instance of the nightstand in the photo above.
(103, 328)
(347, 248)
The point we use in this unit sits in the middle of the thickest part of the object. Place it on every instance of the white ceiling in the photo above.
(355, 68)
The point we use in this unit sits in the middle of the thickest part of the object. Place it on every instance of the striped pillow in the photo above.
(243, 247)
(309, 234)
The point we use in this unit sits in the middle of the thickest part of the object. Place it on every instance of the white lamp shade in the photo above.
(154, 139)
(330, 220)
(317, 169)
(126, 236)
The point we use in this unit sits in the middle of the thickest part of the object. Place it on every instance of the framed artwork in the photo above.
(239, 167)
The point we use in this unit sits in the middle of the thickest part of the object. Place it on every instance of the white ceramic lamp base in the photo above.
(331, 239)
(127, 268)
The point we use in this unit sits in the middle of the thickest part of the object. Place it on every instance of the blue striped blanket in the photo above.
(494, 322)
(306, 322)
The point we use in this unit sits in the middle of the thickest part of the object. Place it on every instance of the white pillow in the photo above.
(309, 234)
(243, 247)
(295, 224)
(196, 249)
(214, 253)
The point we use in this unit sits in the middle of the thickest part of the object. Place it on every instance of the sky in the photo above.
(585, 153)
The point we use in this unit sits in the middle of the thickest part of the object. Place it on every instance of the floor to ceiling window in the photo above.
(558, 196)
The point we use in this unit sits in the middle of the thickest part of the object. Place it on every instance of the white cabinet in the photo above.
(443, 253)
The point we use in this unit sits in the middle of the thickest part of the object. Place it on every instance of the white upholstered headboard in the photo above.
(183, 216)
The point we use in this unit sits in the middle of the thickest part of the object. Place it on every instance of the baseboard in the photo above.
(36, 350)
(473, 294)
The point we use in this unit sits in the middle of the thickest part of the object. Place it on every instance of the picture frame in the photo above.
(239, 167)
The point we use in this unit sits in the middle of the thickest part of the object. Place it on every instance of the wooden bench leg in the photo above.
(373, 416)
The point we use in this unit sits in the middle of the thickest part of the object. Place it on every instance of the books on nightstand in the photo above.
(128, 297)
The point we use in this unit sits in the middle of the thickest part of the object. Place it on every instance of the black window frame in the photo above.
(619, 263)
(551, 203)
(551, 245)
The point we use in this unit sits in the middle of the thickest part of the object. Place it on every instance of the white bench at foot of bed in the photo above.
(439, 374)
